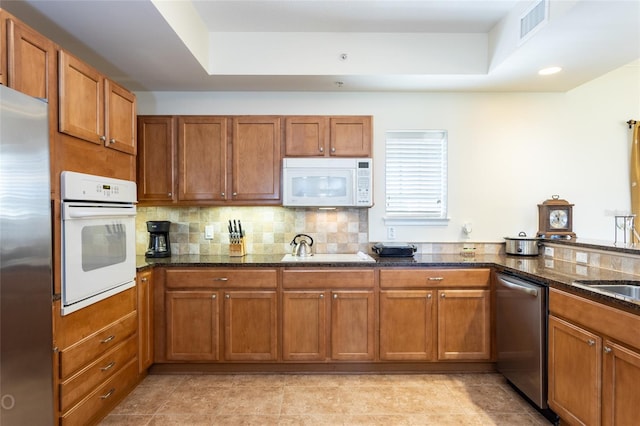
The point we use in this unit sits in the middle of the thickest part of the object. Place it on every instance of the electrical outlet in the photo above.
(582, 257)
(208, 232)
(391, 232)
(548, 251)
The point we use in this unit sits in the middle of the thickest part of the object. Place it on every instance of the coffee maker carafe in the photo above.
(158, 238)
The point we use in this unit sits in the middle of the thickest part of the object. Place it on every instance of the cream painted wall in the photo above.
(507, 151)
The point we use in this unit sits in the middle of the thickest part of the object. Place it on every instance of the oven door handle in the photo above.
(88, 213)
(513, 286)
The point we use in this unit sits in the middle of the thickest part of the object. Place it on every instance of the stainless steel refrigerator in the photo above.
(26, 339)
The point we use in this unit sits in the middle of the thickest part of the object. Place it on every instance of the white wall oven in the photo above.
(98, 238)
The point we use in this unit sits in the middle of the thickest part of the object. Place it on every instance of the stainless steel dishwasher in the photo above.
(521, 337)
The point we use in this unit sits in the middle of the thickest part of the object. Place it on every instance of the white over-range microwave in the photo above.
(327, 182)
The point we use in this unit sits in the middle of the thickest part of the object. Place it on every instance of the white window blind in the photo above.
(416, 174)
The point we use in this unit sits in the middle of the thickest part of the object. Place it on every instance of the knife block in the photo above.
(237, 249)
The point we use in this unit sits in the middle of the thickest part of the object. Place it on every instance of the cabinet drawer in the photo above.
(74, 327)
(104, 398)
(327, 278)
(221, 278)
(104, 367)
(620, 325)
(450, 278)
(75, 357)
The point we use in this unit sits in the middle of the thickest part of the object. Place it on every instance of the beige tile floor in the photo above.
(298, 399)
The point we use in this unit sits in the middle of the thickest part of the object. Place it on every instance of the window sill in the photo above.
(414, 221)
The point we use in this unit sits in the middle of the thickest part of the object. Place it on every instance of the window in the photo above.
(416, 176)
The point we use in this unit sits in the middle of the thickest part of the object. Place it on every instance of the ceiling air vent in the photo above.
(533, 19)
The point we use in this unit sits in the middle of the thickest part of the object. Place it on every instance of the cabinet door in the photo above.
(31, 63)
(407, 325)
(156, 151)
(81, 91)
(306, 136)
(256, 157)
(574, 373)
(351, 136)
(202, 156)
(304, 327)
(250, 326)
(352, 325)
(192, 319)
(620, 381)
(144, 286)
(3, 47)
(120, 118)
(464, 324)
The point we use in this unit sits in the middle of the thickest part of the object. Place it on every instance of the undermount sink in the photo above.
(626, 290)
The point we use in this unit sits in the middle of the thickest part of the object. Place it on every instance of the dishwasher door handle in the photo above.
(513, 286)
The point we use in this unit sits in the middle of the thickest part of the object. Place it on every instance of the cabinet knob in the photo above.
(144, 279)
(170, 194)
(429, 296)
(112, 141)
(103, 138)
(335, 296)
(333, 149)
(442, 295)
(607, 350)
(227, 296)
(234, 194)
(213, 296)
(321, 296)
(321, 149)
(591, 342)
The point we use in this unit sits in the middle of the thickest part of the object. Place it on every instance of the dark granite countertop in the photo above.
(551, 272)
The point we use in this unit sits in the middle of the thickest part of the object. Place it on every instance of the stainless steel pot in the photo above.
(522, 245)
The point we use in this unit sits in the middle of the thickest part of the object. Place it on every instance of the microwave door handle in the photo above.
(92, 213)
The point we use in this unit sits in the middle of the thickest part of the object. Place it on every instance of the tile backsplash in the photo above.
(268, 229)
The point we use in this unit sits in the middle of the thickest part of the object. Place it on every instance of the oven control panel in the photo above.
(83, 187)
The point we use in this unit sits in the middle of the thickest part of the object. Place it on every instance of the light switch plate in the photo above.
(208, 232)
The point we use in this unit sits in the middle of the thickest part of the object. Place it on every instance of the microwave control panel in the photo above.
(363, 183)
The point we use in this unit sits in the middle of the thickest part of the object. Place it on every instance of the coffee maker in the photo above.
(158, 238)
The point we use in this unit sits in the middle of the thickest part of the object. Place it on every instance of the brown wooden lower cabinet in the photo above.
(407, 325)
(594, 361)
(353, 325)
(251, 325)
(464, 325)
(193, 330)
(304, 325)
(145, 290)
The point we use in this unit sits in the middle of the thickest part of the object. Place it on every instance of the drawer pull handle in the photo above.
(108, 394)
(436, 278)
(221, 279)
(143, 279)
(607, 350)
(108, 366)
(591, 342)
(108, 339)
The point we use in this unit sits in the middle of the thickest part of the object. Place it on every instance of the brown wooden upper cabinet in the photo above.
(94, 108)
(156, 153)
(31, 61)
(202, 158)
(256, 156)
(325, 136)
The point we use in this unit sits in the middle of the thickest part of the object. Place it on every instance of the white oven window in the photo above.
(103, 245)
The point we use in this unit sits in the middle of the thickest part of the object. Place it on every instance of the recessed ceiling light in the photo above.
(549, 71)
